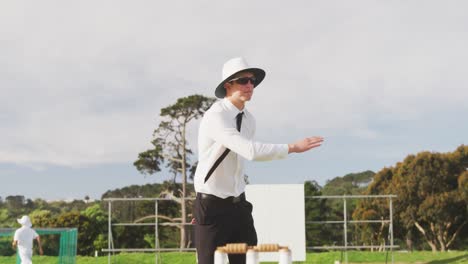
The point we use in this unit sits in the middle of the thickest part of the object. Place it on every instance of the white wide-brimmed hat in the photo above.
(25, 221)
(231, 68)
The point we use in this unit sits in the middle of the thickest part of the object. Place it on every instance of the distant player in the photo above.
(24, 238)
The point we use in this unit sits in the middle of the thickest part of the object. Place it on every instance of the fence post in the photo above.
(156, 231)
(345, 219)
(109, 234)
(391, 225)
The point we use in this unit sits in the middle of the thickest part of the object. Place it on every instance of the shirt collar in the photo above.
(232, 109)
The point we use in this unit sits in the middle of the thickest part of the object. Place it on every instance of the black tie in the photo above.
(239, 121)
(218, 161)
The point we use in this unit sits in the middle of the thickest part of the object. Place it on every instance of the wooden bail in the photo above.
(241, 248)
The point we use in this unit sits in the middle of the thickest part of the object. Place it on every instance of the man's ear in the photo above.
(227, 86)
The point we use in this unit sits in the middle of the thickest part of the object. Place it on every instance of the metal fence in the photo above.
(111, 249)
(345, 222)
(110, 246)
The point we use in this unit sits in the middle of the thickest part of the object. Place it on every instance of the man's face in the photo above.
(240, 88)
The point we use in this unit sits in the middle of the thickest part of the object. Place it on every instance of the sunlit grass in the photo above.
(418, 257)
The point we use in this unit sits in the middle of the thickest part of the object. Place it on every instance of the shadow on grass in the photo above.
(450, 260)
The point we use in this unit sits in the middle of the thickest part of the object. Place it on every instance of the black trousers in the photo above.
(219, 222)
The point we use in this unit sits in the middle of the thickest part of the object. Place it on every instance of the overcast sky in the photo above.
(82, 84)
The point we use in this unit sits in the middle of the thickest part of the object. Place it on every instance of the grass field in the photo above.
(419, 257)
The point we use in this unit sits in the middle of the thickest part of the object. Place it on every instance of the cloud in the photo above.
(86, 80)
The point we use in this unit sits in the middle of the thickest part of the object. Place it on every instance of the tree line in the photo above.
(88, 217)
(430, 211)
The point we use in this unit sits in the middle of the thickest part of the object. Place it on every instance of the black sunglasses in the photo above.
(244, 80)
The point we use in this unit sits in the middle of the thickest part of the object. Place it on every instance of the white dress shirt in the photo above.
(218, 132)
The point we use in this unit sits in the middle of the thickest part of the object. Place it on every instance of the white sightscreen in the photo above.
(278, 212)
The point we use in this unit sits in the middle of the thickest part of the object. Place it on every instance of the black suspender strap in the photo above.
(216, 164)
(221, 158)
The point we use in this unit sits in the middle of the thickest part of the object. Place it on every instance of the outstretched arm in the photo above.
(305, 144)
(40, 246)
(222, 132)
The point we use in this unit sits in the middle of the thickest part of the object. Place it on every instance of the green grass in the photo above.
(420, 257)
(382, 257)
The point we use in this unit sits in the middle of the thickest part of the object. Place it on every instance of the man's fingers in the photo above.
(306, 144)
(315, 145)
(314, 140)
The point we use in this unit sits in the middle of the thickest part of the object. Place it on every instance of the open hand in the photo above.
(305, 144)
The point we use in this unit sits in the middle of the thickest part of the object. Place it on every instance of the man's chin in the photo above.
(247, 98)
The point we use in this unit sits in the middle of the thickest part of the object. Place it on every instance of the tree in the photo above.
(430, 197)
(318, 210)
(349, 184)
(373, 234)
(143, 211)
(86, 233)
(4, 218)
(15, 205)
(45, 219)
(98, 217)
(170, 146)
